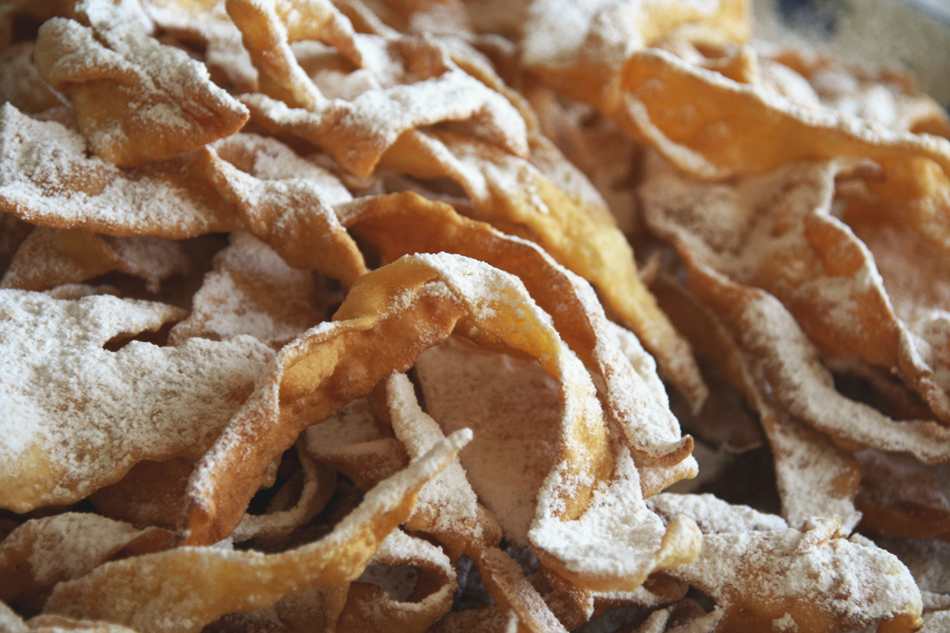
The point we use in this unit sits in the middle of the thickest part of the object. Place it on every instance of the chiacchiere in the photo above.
(326, 315)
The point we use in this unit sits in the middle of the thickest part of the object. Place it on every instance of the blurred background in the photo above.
(910, 33)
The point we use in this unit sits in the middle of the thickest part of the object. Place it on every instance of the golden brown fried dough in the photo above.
(52, 257)
(47, 178)
(218, 581)
(137, 101)
(108, 410)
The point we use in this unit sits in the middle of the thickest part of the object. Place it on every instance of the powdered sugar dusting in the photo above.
(46, 178)
(78, 416)
(65, 546)
(51, 257)
(752, 561)
(784, 254)
(269, 159)
(513, 409)
(251, 291)
(224, 52)
(448, 501)
(396, 568)
(264, 579)
(815, 478)
(358, 132)
(617, 536)
(169, 100)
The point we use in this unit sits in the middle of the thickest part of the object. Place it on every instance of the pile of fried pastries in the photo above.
(485, 316)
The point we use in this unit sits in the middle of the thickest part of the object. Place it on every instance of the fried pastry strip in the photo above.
(577, 232)
(184, 589)
(52, 257)
(430, 89)
(369, 607)
(285, 201)
(251, 291)
(823, 275)
(804, 388)
(12, 623)
(762, 572)
(815, 478)
(317, 485)
(151, 493)
(450, 511)
(312, 377)
(77, 416)
(21, 86)
(595, 39)
(137, 101)
(47, 179)
(400, 224)
(657, 91)
(207, 25)
(613, 543)
(356, 443)
(41, 553)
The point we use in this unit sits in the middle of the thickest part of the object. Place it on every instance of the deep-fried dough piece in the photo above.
(448, 508)
(424, 16)
(760, 572)
(927, 560)
(514, 410)
(579, 49)
(44, 552)
(12, 623)
(283, 516)
(763, 328)
(77, 417)
(266, 39)
(205, 23)
(369, 607)
(777, 232)
(887, 96)
(596, 146)
(355, 135)
(429, 88)
(151, 493)
(366, 604)
(285, 201)
(681, 617)
(311, 378)
(353, 442)
(187, 588)
(251, 291)
(612, 544)
(657, 106)
(401, 224)
(618, 541)
(47, 179)
(20, 85)
(911, 259)
(903, 498)
(51, 257)
(137, 101)
(311, 610)
(515, 594)
(656, 96)
(815, 478)
(573, 226)
(807, 261)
